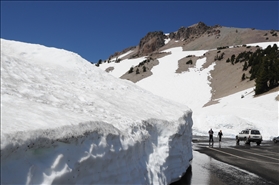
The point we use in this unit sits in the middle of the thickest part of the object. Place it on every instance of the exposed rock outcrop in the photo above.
(193, 31)
(141, 71)
(122, 52)
(151, 42)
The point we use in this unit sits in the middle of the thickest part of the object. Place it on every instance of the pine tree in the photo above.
(131, 70)
(273, 73)
(144, 69)
(243, 77)
(262, 79)
(245, 66)
(189, 62)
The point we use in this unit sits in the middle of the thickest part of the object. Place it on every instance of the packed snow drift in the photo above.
(65, 121)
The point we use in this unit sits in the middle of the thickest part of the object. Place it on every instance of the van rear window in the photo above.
(255, 132)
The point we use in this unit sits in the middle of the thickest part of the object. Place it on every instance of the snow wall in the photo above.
(99, 153)
(64, 121)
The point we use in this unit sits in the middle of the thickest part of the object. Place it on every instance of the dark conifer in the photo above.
(131, 70)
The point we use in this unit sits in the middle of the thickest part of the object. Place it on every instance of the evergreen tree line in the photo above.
(263, 65)
(139, 65)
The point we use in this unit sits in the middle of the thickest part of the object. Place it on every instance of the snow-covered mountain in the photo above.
(65, 121)
(212, 88)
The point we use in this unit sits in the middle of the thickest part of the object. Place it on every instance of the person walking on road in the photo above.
(210, 132)
(220, 134)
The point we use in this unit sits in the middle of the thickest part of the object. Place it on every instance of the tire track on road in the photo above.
(242, 157)
(255, 154)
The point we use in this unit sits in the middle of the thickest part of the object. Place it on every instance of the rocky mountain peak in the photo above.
(191, 31)
(197, 37)
(156, 39)
(151, 42)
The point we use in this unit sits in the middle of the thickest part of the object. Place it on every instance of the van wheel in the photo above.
(258, 143)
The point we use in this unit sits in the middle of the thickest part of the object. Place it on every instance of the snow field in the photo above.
(122, 67)
(236, 114)
(192, 88)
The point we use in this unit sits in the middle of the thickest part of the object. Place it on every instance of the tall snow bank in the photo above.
(99, 153)
(65, 121)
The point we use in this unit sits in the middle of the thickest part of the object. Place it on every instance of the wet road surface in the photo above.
(228, 163)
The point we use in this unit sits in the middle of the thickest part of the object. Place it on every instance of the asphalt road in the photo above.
(226, 162)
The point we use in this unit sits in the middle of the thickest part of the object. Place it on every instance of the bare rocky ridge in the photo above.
(148, 64)
(138, 72)
(151, 42)
(190, 32)
(226, 78)
(199, 37)
(225, 36)
(118, 53)
(185, 63)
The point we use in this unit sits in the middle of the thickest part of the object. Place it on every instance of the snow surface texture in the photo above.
(65, 121)
(192, 88)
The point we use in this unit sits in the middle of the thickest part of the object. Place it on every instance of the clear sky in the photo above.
(95, 30)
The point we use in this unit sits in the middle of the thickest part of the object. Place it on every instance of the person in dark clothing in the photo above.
(220, 134)
(210, 132)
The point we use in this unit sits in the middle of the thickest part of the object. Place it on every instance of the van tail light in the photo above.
(249, 136)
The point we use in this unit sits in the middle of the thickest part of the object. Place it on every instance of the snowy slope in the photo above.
(65, 121)
(192, 88)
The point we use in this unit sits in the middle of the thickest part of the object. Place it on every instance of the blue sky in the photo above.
(95, 30)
